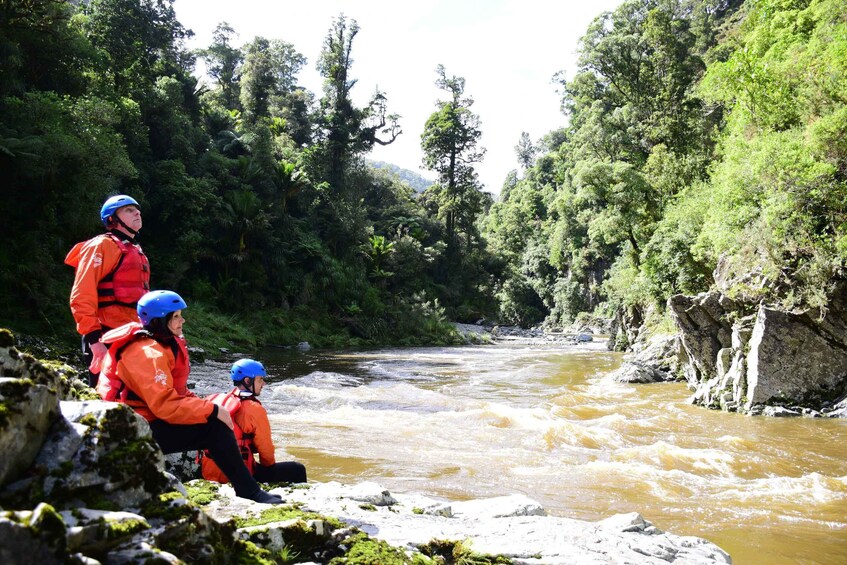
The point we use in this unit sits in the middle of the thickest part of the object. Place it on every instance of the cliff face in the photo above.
(761, 359)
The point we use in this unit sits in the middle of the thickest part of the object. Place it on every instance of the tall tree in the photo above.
(223, 63)
(258, 80)
(347, 131)
(450, 142)
(525, 151)
(140, 39)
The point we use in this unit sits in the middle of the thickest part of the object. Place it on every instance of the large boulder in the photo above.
(99, 454)
(795, 359)
(29, 405)
(33, 536)
(651, 361)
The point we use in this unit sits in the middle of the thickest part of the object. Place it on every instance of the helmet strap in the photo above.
(129, 230)
(251, 388)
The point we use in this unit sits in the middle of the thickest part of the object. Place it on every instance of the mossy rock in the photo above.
(451, 551)
(39, 535)
(203, 492)
(365, 550)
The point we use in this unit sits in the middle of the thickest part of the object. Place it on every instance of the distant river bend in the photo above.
(545, 420)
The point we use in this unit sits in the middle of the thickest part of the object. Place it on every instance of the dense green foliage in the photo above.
(258, 204)
(701, 132)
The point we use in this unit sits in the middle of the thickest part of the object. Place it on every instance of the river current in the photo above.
(545, 420)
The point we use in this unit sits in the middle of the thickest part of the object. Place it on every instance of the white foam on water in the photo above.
(808, 489)
(664, 455)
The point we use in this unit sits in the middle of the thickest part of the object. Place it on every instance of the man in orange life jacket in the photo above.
(147, 367)
(251, 424)
(112, 273)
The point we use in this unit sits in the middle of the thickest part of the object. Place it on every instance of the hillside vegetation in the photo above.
(696, 132)
(699, 133)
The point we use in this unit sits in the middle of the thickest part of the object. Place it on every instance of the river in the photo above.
(545, 420)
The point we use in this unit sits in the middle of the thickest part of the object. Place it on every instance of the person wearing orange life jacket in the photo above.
(112, 273)
(147, 367)
(251, 423)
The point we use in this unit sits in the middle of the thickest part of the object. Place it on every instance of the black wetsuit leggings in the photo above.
(214, 436)
(287, 472)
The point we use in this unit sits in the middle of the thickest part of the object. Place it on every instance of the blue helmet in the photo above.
(112, 204)
(158, 304)
(246, 368)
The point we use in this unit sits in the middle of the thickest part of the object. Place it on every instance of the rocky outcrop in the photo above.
(478, 334)
(93, 488)
(739, 357)
(515, 527)
(651, 361)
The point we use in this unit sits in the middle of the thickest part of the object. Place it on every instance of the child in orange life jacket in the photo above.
(112, 273)
(251, 423)
(147, 368)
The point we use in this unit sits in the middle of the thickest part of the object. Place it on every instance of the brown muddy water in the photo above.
(545, 420)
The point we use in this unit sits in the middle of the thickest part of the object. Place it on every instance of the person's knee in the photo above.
(297, 472)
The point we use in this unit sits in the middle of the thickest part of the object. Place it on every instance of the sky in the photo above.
(506, 50)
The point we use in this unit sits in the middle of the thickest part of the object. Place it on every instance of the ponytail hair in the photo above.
(158, 328)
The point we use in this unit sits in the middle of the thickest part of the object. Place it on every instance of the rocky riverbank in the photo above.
(481, 333)
(81, 481)
(757, 360)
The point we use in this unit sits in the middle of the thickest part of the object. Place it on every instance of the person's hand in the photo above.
(223, 416)
(98, 351)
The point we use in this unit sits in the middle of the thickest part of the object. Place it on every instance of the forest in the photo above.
(697, 135)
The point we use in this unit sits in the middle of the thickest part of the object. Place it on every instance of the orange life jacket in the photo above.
(232, 403)
(109, 385)
(130, 280)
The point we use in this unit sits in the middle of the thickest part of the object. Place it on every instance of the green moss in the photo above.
(368, 507)
(124, 528)
(5, 414)
(7, 338)
(300, 538)
(248, 553)
(48, 525)
(452, 552)
(64, 469)
(90, 420)
(202, 492)
(130, 464)
(365, 550)
(417, 510)
(283, 513)
(95, 499)
(195, 540)
(77, 390)
(129, 461)
(290, 486)
(168, 507)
